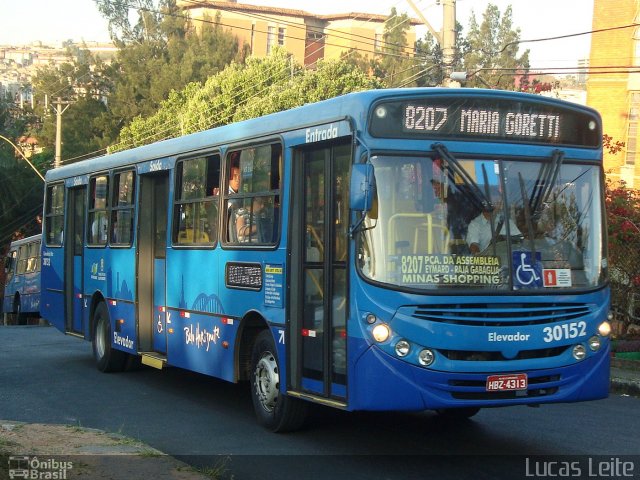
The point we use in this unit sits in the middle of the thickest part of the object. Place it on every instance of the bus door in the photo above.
(74, 260)
(319, 266)
(151, 262)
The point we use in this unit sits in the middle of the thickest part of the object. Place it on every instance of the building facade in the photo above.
(613, 86)
(308, 37)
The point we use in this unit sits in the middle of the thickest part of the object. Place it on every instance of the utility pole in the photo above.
(57, 107)
(447, 37)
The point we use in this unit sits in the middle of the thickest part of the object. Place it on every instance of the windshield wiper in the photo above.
(547, 177)
(527, 216)
(483, 200)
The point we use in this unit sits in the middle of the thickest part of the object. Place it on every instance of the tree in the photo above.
(397, 65)
(85, 82)
(243, 91)
(161, 52)
(491, 55)
(21, 199)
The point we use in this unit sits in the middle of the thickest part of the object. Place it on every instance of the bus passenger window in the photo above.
(252, 199)
(98, 205)
(196, 207)
(54, 215)
(122, 209)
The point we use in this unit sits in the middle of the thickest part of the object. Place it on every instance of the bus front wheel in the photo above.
(275, 411)
(107, 358)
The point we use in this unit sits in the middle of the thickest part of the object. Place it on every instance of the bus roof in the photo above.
(352, 105)
(22, 241)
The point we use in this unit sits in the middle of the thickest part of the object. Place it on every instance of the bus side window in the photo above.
(98, 211)
(196, 199)
(10, 263)
(23, 258)
(122, 207)
(253, 199)
(54, 215)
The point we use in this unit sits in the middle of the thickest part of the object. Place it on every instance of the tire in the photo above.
(21, 318)
(275, 411)
(458, 413)
(107, 359)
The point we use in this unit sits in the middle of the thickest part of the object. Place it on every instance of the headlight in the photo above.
(370, 319)
(381, 332)
(594, 343)
(579, 352)
(426, 357)
(402, 348)
(604, 329)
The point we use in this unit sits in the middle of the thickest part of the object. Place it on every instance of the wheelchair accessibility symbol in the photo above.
(526, 272)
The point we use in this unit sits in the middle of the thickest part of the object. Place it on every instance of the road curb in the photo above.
(624, 385)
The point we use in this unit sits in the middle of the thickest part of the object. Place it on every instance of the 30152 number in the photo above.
(565, 331)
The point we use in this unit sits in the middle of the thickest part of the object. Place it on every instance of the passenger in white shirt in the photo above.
(479, 231)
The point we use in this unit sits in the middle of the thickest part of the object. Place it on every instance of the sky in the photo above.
(25, 21)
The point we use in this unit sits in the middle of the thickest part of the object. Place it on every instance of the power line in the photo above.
(249, 87)
(570, 35)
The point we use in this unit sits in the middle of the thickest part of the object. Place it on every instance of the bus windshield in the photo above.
(484, 224)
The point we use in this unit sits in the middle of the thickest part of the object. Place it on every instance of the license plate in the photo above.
(501, 383)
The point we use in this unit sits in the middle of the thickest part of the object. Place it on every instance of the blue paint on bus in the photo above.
(387, 309)
(22, 287)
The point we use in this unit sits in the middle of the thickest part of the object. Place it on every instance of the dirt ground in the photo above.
(62, 452)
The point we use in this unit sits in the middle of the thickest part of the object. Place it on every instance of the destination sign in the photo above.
(486, 119)
(439, 269)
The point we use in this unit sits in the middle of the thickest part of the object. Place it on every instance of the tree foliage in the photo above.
(488, 52)
(161, 52)
(397, 64)
(243, 91)
(85, 82)
(491, 50)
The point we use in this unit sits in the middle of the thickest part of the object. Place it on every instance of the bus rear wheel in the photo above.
(457, 413)
(275, 411)
(107, 359)
(20, 318)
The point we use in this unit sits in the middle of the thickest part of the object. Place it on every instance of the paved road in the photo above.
(50, 378)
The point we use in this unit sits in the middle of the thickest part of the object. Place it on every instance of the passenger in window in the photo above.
(211, 220)
(479, 231)
(234, 204)
(558, 230)
(99, 229)
(234, 180)
(254, 225)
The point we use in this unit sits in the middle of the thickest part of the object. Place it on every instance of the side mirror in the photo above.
(363, 187)
(7, 264)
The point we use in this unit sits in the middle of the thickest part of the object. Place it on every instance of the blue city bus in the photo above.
(22, 281)
(412, 249)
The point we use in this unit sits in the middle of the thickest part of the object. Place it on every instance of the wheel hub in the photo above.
(100, 340)
(267, 381)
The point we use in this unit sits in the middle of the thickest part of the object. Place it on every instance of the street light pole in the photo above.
(23, 157)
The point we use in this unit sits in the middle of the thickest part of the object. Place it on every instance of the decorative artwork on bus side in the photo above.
(97, 271)
(200, 337)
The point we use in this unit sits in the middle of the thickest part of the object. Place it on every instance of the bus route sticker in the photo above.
(273, 285)
(439, 269)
